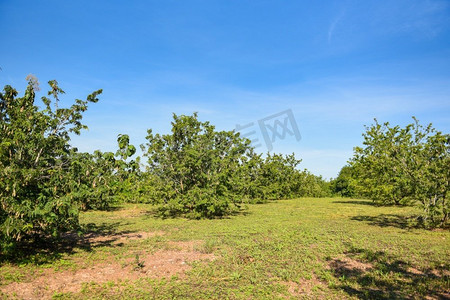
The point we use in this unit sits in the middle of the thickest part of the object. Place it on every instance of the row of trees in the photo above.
(401, 166)
(195, 171)
(201, 172)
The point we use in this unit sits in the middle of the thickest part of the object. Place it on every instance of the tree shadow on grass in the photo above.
(161, 212)
(112, 208)
(391, 220)
(357, 202)
(44, 249)
(367, 274)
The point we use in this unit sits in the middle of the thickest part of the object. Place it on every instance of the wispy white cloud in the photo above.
(333, 25)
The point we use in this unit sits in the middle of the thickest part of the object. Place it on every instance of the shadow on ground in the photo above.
(41, 250)
(356, 202)
(384, 220)
(162, 212)
(390, 220)
(366, 274)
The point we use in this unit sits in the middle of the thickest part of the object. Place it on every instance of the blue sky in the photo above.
(335, 64)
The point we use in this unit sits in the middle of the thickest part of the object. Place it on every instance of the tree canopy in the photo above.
(36, 195)
(405, 165)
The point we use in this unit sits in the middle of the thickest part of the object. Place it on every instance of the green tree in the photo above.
(103, 178)
(277, 176)
(404, 165)
(432, 178)
(93, 179)
(379, 166)
(36, 196)
(196, 165)
(343, 185)
(310, 185)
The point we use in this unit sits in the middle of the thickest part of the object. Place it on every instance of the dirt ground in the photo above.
(163, 263)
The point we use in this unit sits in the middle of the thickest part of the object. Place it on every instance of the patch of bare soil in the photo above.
(440, 273)
(414, 271)
(163, 263)
(345, 265)
(303, 288)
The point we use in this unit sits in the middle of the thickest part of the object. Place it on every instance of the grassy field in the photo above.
(303, 248)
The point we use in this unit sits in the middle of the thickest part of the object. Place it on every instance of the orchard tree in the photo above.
(310, 185)
(344, 185)
(197, 166)
(278, 176)
(36, 195)
(382, 166)
(433, 179)
(104, 178)
(403, 165)
(92, 178)
(201, 172)
(130, 183)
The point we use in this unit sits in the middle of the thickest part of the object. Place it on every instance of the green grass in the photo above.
(303, 248)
